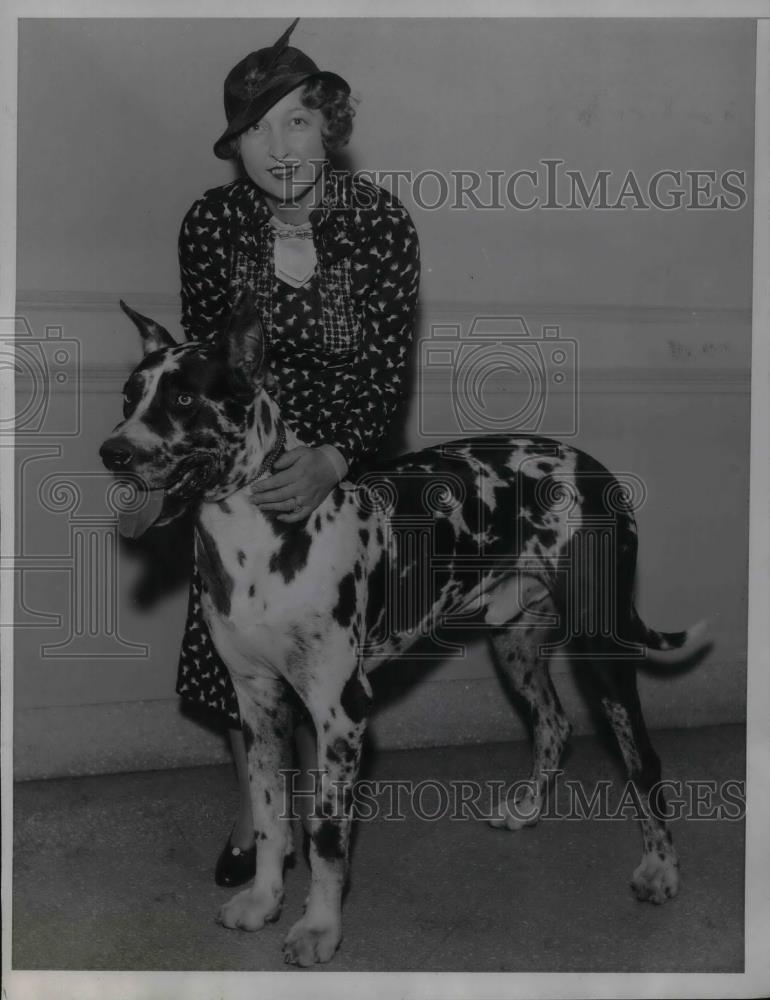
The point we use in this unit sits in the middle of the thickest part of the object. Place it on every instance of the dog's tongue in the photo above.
(133, 523)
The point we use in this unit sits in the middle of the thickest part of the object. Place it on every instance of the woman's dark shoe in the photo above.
(234, 866)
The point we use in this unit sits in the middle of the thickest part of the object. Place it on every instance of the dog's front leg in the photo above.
(267, 714)
(340, 730)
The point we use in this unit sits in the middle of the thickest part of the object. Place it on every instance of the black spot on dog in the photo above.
(328, 840)
(358, 571)
(252, 590)
(225, 507)
(342, 752)
(354, 700)
(473, 513)
(346, 601)
(317, 523)
(249, 738)
(443, 536)
(291, 557)
(212, 569)
(363, 534)
(267, 417)
(376, 593)
(268, 796)
(241, 557)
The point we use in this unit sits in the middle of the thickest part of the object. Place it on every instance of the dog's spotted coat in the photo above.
(493, 531)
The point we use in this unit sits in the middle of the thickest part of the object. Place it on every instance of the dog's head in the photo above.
(187, 412)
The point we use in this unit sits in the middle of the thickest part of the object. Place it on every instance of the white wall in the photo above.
(116, 124)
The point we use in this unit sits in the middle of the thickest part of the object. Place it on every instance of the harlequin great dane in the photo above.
(502, 531)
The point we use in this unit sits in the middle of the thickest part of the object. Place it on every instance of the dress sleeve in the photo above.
(203, 272)
(374, 382)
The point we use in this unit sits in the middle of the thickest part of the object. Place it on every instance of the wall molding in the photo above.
(114, 737)
(107, 301)
(688, 365)
(109, 379)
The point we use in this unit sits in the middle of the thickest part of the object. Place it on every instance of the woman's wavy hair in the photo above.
(336, 107)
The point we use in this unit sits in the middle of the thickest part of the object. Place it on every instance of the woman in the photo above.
(332, 262)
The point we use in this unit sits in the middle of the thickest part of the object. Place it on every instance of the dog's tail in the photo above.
(667, 647)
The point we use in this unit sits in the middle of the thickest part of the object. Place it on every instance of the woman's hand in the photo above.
(301, 474)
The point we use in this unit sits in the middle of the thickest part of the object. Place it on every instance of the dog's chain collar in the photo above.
(275, 451)
(269, 459)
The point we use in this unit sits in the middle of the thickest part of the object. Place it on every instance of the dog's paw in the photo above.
(657, 877)
(515, 814)
(250, 911)
(309, 943)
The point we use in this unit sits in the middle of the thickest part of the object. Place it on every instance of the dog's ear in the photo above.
(153, 334)
(245, 341)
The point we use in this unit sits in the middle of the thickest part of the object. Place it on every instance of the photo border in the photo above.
(20, 985)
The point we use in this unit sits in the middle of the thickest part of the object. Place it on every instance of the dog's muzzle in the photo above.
(187, 480)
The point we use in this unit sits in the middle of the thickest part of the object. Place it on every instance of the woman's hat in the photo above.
(260, 80)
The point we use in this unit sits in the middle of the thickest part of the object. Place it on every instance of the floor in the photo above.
(115, 872)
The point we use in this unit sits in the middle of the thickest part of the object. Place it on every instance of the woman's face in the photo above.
(284, 151)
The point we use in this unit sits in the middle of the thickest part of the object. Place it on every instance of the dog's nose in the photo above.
(116, 455)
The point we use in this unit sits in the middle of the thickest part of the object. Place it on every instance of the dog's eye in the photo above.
(184, 399)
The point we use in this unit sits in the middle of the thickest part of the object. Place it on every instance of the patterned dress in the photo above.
(337, 346)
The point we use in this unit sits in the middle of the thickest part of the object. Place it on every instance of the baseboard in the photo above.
(66, 741)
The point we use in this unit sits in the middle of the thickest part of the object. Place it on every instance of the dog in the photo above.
(302, 612)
